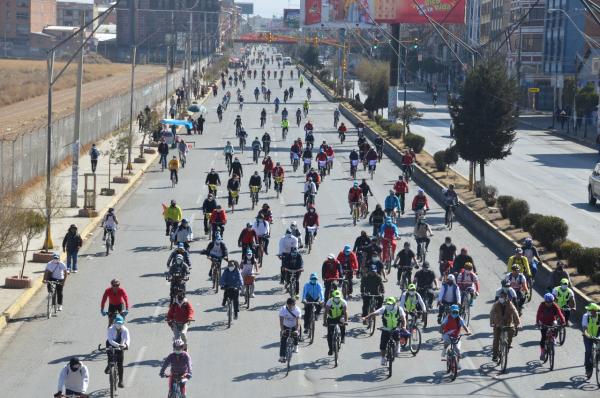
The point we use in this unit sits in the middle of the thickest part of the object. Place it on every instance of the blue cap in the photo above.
(314, 276)
(347, 249)
(119, 320)
(181, 245)
(454, 308)
(249, 251)
(355, 183)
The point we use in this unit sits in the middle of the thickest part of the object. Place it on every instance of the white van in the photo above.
(287, 61)
(278, 57)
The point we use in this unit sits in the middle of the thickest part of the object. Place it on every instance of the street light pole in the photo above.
(129, 146)
(77, 126)
(48, 244)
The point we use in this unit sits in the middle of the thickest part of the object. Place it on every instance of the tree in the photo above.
(409, 114)
(9, 233)
(32, 224)
(374, 81)
(118, 151)
(484, 114)
(569, 90)
(310, 56)
(586, 101)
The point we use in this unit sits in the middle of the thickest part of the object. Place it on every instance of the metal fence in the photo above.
(24, 158)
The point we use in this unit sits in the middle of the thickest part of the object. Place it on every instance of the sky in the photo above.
(266, 8)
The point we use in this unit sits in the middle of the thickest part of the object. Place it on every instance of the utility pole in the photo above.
(394, 74)
(48, 244)
(77, 126)
(189, 75)
(133, 37)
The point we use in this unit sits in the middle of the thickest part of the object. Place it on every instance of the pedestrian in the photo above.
(94, 155)
(56, 271)
(163, 150)
(74, 378)
(71, 244)
(172, 112)
(563, 118)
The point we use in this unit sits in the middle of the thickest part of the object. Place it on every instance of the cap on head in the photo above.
(314, 276)
(347, 249)
(451, 278)
(115, 283)
(592, 307)
(454, 308)
(336, 294)
(412, 287)
(515, 267)
(178, 344)
(56, 256)
(119, 320)
(564, 281)
(518, 250)
(330, 256)
(391, 300)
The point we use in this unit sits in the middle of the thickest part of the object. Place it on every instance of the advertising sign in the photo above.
(291, 17)
(312, 11)
(336, 13)
(415, 11)
(245, 8)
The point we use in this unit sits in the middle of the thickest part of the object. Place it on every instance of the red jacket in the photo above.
(278, 171)
(329, 151)
(180, 313)
(420, 201)
(322, 156)
(354, 194)
(218, 217)
(372, 155)
(115, 298)
(268, 163)
(351, 260)
(342, 128)
(331, 269)
(407, 159)
(310, 219)
(316, 177)
(401, 187)
(547, 315)
(247, 237)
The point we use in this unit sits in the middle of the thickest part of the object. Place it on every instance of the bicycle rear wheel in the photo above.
(371, 326)
(414, 341)
(504, 356)
(311, 332)
(390, 354)
(113, 382)
(336, 347)
(49, 306)
(453, 367)
(247, 296)
(551, 356)
(467, 313)
(288, 358)
(597, 366)
(562, 335)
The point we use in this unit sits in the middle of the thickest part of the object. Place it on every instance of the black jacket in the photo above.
(209, 205)
(213, 178)
(372, 284)
(163, 148)
(72, 242)
(377, 216)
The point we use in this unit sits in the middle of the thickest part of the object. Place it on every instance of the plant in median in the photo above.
(118, 151)
(550, 230)
(516, 210)
(586, 260)
(502, 202)
(440, 160)
(9, 231)
(566, 248)
(415, 141)
(529, 220)
(31, 224)
(408, 114)
(396, 130)
(586, 101)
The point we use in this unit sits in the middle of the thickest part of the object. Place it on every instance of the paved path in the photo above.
(242, 361)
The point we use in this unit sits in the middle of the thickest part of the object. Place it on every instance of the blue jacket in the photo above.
(391, 202)
(231, 279)
(313, 292)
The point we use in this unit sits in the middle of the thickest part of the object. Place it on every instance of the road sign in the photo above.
(534, 89)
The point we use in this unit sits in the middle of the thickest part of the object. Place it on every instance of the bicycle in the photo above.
(342, 137)
(176, 384)
(372, 164)
(234, 199)
(284, 131)
(267, 181)
(229, 305)
(278, 185)
(414, 340)
(449, 219)
(173, 180)
(228, 161)
(405, 274)
(182, 158)
(310, 236)
(295, 161)
(248, 289)
(549, 345)
(353, 167)
(465, 306)
(290, 286)
(390, 351)
(422, 252)
(336, 339)
(452, 357)
(312, 318)
(255, 155)
(371, 322)
(562, 331)
(355, 213)
(242, 144)
(110, 238)
(289, 348)
(254, 195)
(212, 189)
(172, 227)
(596, 357)
(503, 348)
(112, 368)
(215, 273)
(51, 306)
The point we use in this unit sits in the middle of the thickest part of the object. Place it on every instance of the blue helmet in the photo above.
(355, 184)
(119, 320)
(347, 249)
(548, 297)
(454, 308)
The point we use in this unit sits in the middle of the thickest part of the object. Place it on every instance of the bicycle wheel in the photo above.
(113, 382)
(288, 356)
(336, 347)
(229, 312)
(414, 341)
(312, 327)
(309, 243)
(597, 365)
(215, 278)
(562, 335)
(390, 354)
(453, 367)
(550, 349)
(247, 296)
(107, 242)
(355, 215)
(424, 318)
(467, 311)
(371, 326)
(504, 347)
(49, 306)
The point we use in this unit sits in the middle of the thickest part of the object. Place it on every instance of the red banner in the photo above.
(415, 11)
(312, 12)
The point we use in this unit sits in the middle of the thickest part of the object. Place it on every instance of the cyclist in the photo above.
(531, 252)
(391, 203)
(249, 268)
(248, 239)
(354, 196)
(218, 219)
(310, 188)
(435, 98)
(117, 336)
(289, 322)
(284, 113)
(321, 159)
(311, 219)
(243, 136)
(405, 260)
(180, 363)
(521, 261)
(179, 316)
(216, 250)
(342, 131)
(460, 261)
(292, 262)
(389, 233)
(295, 151)
(267, 168)
(74, 378)
(510, 292)
(266, 212)
(336, 117)
(256, 148)
(179, 250)
(425, 280)
(371, 158)
(312, 292)
(420, 202)
(411, 301)
(336, 313)
(316, 177)
(361, 243)
(401, 189)
(503, 314)
(286, 244)
(301, 81)
(255, 181)
(408, 160)
(285, 126)
(276, 102)
(308, 92)
(451, 326)
(371, 285)
(548, 314)
(447, 255)
(518, 283)
(231, 283)
(208, 206)
(233, 185)
(589, 324)
(241, 98)
(449, 295)
(331, 272)
(238, 124)
(110, 222)
(379, 143)
(305, 107)
(262, 228)
(296, 232)
(184, 234)
(173, 168)
(347, 258)
(376, 219)
(212, 178)
(353, 161)
(557, 275)
(310, 140)
(278, 172)
(56, 271)
(565, 298)
(266, 142)
(393, 318)
(467, 280)
(163, 150)
(228, 152)
(118, 301)
(450, 200)
(220, 112)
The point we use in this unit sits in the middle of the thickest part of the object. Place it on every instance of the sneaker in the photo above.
(588, 373)
(296, 349)
(106, 370)
(252, 295)
(60, 307)
(342, 340)
(398, 283)
(282, 359)
(494, 358)
(542, 354)
(235, 316)
(383, 361)
(444, 353)
(121, 385)
(330, 352)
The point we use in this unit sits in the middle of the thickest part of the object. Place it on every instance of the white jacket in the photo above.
(286, 243)
(74, 381)
(261, 228)
(111, 336)
(184, 234)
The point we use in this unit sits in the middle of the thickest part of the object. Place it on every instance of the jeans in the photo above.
(174, 173)
(72, 258)
(94, 164)
(163, 160)
(419, 240)
(310, 310)
(59, 290)
(233, 295)
(330, 326)
(283, 340)
(589, 346)
(496, 343)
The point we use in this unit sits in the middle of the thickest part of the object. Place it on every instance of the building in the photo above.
(494, 18)
(473, 22)
(19, 18)
(68, 12)
(164, 20)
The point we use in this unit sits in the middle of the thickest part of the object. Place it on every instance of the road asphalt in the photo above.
(242, 360)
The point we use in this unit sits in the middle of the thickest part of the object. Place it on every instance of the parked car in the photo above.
(594, 186)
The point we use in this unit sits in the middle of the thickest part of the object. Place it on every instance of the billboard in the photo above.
(291, 17)
(336, 13)
(312, 11)
(245, 8)
(415, 11)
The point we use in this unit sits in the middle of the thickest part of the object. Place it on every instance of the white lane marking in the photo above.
(138, 359)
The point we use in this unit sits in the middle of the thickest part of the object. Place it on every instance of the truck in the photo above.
(594, 186)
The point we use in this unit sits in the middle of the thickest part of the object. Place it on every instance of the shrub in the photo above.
(378, 119)
(440, 160)
(503, 201)
(516, 210)
(385, 124)
(549, 230)
(451, 155)
(586, 260)
(529, 220)
(596, 278)
(566, 248)
(415, 141)
(488, 194)
(396, 130)
(357, 105)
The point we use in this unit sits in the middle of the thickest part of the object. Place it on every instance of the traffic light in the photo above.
(316, 41)
(415, 45)
(270, 37)
(344, 65)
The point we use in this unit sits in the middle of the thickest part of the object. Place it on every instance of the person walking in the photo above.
(71, 244)
(200, 123)
(94, 155)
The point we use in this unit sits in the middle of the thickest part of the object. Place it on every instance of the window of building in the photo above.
(22, 15)
(22, 29)
(68, 13)
(22, 3)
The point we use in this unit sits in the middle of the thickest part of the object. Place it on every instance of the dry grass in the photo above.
(24, 79)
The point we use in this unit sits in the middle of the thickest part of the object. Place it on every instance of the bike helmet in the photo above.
(515, 267)
(173, 202)
(451, 278)
(336, 294)
(119, 320)
(111, 209)
(468, 266)
(180, 245)
(454, 308)
(391, 300)
(314, 276)
(425, 264)
(412, 287)
(504, 283)
(592, 307)
(420, 191)
(548, 297)
(330, 256)
(518, 250)
(115, 283)
(248, 225)
(249, 252)
(564, 281)
(355, 184)
(178, 344)
(179, 259)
